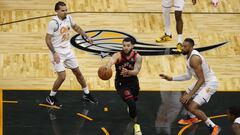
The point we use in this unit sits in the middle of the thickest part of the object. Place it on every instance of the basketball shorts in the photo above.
(128, 89)
(67, 60)
(178, 4)
(204, 93)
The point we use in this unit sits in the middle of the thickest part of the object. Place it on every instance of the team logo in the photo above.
(107, 42)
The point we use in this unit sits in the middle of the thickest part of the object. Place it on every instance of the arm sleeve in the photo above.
(184, 77)
(52, 26)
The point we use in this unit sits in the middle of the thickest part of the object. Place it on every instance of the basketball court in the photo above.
(26, 74)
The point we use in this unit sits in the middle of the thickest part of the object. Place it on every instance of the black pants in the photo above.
(127, 89)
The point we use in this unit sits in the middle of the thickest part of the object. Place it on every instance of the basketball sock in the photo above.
(191, 115)
(85, 90)
(52, 93)
(209, 123)
(132, 108)
(179, 38)
(167, 21)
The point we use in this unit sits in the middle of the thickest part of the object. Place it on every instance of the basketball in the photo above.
(104, 73)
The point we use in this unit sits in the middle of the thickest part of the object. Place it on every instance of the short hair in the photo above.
(129, 39)
(189, 40)
(234, 110)
(58, 4)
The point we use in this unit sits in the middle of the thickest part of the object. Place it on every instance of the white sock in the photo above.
(52, 93)
(167, 21)
(191, 115)
(209, 123)
(86, 91)
(179, 38)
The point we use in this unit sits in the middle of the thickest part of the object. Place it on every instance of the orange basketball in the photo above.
(104, 73)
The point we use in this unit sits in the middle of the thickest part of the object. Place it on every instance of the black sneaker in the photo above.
(52, 100)
(90, 98)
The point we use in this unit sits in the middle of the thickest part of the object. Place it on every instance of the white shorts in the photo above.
(204, 93)
(67, 60)
(178, 4)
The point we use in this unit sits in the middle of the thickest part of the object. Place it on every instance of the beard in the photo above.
(128, 52)
(184, 53)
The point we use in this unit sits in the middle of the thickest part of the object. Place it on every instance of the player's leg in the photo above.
(178, 5)
(71, 62)
(135, 91)
(189, 117)
(80, 78)
(129, 98)
(61, 75)
(58, 82)
(166, 8)
(202, 97)
(51, 99)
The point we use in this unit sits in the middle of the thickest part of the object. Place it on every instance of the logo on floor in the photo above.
(107, 42)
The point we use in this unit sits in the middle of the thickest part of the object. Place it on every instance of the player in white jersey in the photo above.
(202, 90)
(178, 6)
(233, 114)
(61, 55)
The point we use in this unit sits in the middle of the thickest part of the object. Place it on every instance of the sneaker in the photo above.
(178, 50)
(137, 129)
(188, 121)
(164, 38)
(215, 130)
(90, 98)
(52, 100)
(179, 47)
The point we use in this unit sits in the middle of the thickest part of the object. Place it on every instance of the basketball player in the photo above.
(128, 64)
(178, 6)
(201, 91)
(233, 114)
(61, 55)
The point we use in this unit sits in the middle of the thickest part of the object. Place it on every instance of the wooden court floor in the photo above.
(25, 64)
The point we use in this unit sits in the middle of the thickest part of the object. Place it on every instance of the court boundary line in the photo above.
(97, 90)
(84, 116)
(105, 131)
(9, 101)
(94, 12)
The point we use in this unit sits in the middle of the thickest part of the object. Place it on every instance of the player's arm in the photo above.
(80, 31)
(113, 60)
(137, 67)
(184, 77)
(195, 63)
(236, 128)
(48, 40)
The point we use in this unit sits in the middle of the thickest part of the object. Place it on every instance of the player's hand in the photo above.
(89, 40)
(56, 57)
(185, 98)
(124, 72)
(194, 2)
(166, 77)
(107, 67)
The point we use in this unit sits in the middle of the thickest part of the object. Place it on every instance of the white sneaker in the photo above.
(137, 129)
